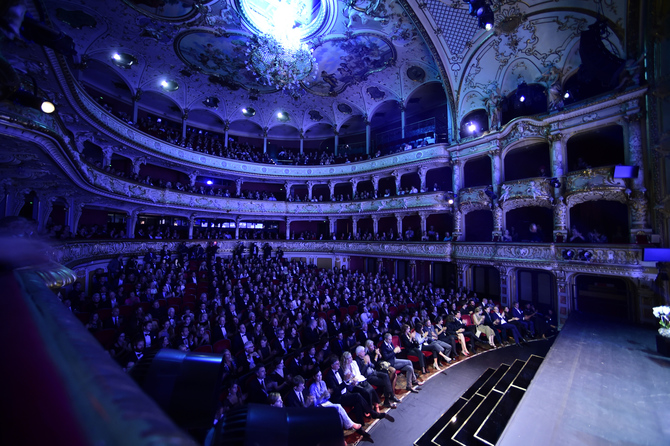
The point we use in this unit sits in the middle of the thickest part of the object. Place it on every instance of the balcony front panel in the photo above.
(167, 197)
(616, 260)
(593, 184)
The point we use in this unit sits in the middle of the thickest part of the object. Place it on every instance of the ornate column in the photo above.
(131, 222)
(634, 151)
(310, 185)
(226, 127)
(14, 201)
(354, 186)
(496, 169)
(422, 177)
(563, 296)
(458, 225)
(497, 223)
(397, 175)
(192, 177)
(504, 288)
(367, 136)
(136, 100)
(375, 184)
(238, 186)
(412, 269)
(337, 140)
(137, 163)
(288, 228)
(74, 210)
(639, 231)
(237, 227)
(191, 223)
(462, 274)
(287, 186)
(375, 223)
(560, 220)
(302, 142)
(354, 225)
(398, 218)
(265, 139)
(456, 176)
(559, 160)
(107, 153)
(332, 226)
(184, 118)
(45, 206)
(402, 120)
(424, 217)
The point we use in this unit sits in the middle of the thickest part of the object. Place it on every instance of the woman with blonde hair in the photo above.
(478, 321)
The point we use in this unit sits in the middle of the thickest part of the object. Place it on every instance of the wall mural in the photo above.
(346, 61)
(221, 56)
(341, 61)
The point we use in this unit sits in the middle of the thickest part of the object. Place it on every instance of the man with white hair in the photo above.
(378, 379)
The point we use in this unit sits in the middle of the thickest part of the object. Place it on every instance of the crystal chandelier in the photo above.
(279, 63)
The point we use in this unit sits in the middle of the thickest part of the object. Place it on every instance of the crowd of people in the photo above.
(290, 332)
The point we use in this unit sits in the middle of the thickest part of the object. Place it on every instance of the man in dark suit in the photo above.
(337, 345)
(396, 324)
(258, 392)
(311, 335)
(491, 322)
(500, 321)
(389, 352)
(517, 313)
(296, 397)
(341, 395)
(279, 345)
(114, 321)
(378, 379)
(219, 330)
(240, 339)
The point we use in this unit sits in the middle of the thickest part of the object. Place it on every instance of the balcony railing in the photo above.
(622, 260)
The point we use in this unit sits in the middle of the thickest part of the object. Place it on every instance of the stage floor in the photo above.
(602, 383)
(418, 412)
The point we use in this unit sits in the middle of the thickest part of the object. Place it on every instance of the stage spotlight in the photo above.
(450, 201)
(522, 98)
(209, 182)
(47, 107)
(31, 100)
(471, 127)
(568, 254)
(566, 95)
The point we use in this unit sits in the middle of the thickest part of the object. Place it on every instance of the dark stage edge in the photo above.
(602, 383)
(418, 412)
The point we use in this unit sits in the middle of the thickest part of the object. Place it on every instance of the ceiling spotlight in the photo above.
(47, 107)
(248, 112)
(169, 85)
(124, 60)
(279, 115)
(283, 116)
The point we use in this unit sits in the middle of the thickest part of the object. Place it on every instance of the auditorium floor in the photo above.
(418, 412)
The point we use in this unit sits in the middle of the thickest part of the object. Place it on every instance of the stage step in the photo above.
(444, 437)
(479, 416)
(491, 430)
(465, 435)
(427, 438)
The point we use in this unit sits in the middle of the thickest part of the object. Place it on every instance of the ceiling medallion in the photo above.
(344, 108)
(416, 74)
